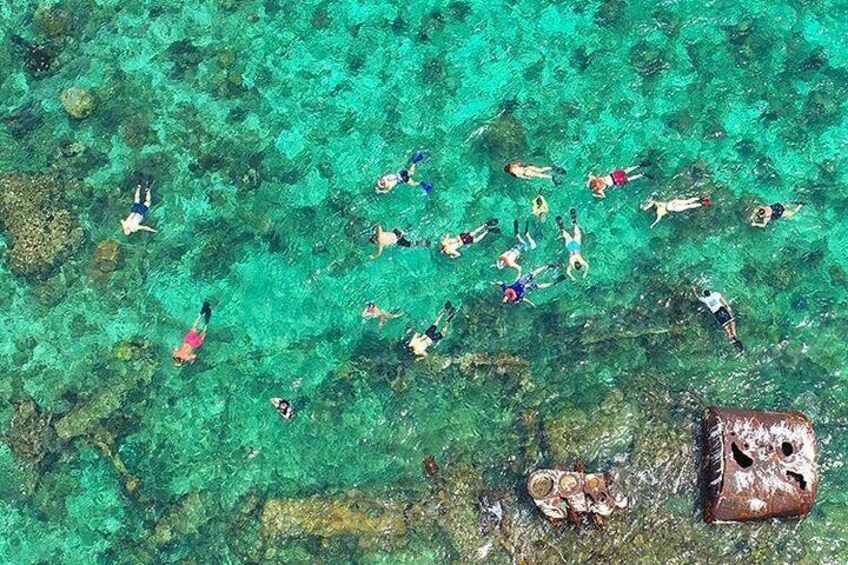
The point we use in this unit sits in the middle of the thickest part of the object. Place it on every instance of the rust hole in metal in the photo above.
(741, 459)
(799, 478)
(787, 449)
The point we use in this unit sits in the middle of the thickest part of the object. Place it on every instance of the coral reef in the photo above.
(41, 232)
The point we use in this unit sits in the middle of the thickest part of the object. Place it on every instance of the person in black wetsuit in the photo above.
(765, 214)
(383, 239)
(432, 335)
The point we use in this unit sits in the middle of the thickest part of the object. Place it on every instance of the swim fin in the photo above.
(495, 230)
(738, 344)
(560, 223)
(420, 156)
(645, 163)
(492, 222)
(559, 170)
(556, 181)
(556, 265)
(706, 201)
(206, 313)
(427, 187)
(559, 278)
(573, 213)
(515, 227)
(526, 227)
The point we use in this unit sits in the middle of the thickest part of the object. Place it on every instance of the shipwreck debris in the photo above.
(758, 465)
(565, 495)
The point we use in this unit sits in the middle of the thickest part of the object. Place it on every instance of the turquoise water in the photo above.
(266, 125)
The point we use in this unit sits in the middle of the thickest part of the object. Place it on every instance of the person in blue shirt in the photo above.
(516, 292)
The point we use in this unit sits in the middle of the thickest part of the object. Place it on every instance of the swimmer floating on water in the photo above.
(599, 185)
(194, 339)
(450, 245)
(132, 223)
(574, 245)
(525, 244)
(373, 311)
(765, 214)
(519, 170)
(676, 205)
(383, 239)
(720, 308)
(391, 180)
(283, 406)
(432, 335)
(517, 291)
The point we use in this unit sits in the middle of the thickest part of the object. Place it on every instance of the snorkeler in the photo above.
(620, 177)
(383, 239)
(519, 170)
(676, 205)
(526, 243)
(517, 291)
(450, 245)
(574, 246)
(194, 339)
(391, 180)
(283, 406)
(540, 208)
(372, 311)
(132, 223)
(765, 214)
(723, 313)
(432, 335)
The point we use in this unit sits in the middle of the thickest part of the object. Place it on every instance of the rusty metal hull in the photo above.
(758, 465)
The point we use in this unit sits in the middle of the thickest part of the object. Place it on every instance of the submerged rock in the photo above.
(78, 102)
(40, 230)
(503, 138)
(373, 521)
(186, 518)
(30, 436)
(595, 436)
(108, 257)
(135, 368)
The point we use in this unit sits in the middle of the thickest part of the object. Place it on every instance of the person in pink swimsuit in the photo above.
(194, 339)
(620, 177)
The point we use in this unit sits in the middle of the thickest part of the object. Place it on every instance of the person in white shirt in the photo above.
(722, 311)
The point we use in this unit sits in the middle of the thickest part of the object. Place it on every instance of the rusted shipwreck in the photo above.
(566, 495)
(758, 465)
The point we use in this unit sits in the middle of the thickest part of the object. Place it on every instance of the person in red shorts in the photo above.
(620, 177)
(194, 339)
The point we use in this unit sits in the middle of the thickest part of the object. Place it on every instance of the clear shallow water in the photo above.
(266, 124)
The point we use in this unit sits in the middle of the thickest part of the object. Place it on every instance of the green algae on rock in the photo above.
(41, 232)
(78, 102)
(374, 521)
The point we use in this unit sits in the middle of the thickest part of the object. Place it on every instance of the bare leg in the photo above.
(634, 177)
(629, 170)
(137, 197)
(147, 198)
(578, 235)
(411, 169)
(789, 213)
(530, 240)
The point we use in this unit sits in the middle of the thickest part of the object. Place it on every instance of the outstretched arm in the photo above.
(570, 273)
(379, 251)
(585, 269)
(695, 292)
(528, 301)
(147, 229)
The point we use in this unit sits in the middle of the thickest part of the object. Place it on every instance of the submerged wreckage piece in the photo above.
(758, 465)
(564, 495)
